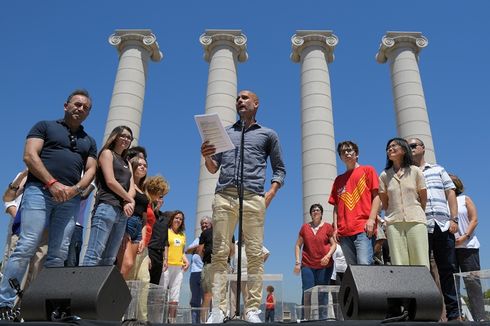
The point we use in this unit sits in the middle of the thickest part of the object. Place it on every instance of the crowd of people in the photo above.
(426, 221)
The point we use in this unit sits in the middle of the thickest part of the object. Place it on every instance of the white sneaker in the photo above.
(252, 316)
(215, 317)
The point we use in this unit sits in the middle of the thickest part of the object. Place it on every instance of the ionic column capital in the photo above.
(143, 37)
(304, 38)
(233, 38)
(414, 41)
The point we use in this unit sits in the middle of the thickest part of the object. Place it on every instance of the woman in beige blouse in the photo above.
(403, 195)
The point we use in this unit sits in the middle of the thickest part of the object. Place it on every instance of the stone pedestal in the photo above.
(314, 50)
(401, 50)
(135, 48)
(223, 49)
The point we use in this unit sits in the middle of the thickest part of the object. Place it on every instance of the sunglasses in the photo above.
(73, 143)
(414, 145)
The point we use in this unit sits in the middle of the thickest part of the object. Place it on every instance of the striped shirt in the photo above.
(437, 181)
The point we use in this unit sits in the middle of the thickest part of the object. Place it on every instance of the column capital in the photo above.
(230, 37)
(145, 37)
(414, 41)
(304, 38)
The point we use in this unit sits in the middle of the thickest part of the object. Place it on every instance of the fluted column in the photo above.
(135, 48)
(314, 50)
(223, 49)
(402, 49)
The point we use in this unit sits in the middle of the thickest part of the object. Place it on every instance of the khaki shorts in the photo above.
(207, 279)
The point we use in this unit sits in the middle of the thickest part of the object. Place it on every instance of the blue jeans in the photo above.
(75, 247)
(106, 234)
(269, 315)
(311, 277)
(442, 244)
(196, 296)
(39, 210)
(358, 249)
(134, 226)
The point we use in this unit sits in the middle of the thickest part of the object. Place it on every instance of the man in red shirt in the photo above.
(355, 198)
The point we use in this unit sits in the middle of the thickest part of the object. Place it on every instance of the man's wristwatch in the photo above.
(12, 187)
(455, 219)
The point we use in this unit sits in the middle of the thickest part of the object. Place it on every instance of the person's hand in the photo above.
(207, 149)
(128, 209)
(165, 265)
(325, 260)
(59, 191)
(453, 227)
(269, 196)
(297, 269)
(460, 240)
(369, 228)
(141, 247)
(185, 267)
(335, 235)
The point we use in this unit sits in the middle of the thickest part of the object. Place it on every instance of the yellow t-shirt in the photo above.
(176, 244)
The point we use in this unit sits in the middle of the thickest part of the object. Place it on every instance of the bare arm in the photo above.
(333, 245)
(269, 195)
(18, 182)
(334, 224)
(371, 222)
(453, 209)
(472, 218)
(297, 252)
(200, 250)
(423, 198)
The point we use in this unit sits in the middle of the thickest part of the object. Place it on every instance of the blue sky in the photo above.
(51, 47)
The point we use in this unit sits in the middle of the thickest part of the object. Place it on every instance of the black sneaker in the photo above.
(11, 314)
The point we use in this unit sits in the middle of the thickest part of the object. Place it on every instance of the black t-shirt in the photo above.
(206, 238)
(64, 154)
(141, 204)
(159, 235)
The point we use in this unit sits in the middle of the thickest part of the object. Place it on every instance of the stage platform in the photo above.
(237, 322)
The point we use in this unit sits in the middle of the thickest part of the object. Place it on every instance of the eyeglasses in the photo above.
(347, 150)
(392, 146)
(316, 210)
(73, 142)
(414, 145)
(127, 137)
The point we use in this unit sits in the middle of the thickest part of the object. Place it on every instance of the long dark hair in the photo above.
(111, 140)
(407, 156)
(172, 217)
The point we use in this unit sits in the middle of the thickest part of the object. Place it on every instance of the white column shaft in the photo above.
(412, 119)
(318, 142)
(126, 106)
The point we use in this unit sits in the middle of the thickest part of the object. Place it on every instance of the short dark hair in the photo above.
(347, 143)
(312, 207)
(79, 91)
(407, 156)
(458, 184)
(135, 150)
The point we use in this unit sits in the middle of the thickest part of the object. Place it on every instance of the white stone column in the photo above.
(401, 50)
(135, 47)
(314, 50)
(223, 49)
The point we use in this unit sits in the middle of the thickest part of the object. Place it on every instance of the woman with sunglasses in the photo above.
(114, 201)
(403, 195)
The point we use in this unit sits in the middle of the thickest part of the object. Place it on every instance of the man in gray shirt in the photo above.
(260, 143)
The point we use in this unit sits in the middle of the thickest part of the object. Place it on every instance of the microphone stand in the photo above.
(240, 220)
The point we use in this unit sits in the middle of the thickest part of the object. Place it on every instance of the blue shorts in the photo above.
(134, 226)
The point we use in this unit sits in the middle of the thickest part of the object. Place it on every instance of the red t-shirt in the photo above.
(269, 302)
(150, 220)
(351, 193)
(315, 246)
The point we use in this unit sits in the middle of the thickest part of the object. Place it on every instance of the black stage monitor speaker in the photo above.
(380, 292)
(98, 293)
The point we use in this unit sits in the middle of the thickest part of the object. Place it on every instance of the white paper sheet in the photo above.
(211, 129)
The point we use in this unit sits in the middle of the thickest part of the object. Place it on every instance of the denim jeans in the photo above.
(107, 230)
(39, 210)
(468, 260)
(196, 296)
(269, 315)
(442, 245)
(311, 277)
(358, 249)
(73, 258)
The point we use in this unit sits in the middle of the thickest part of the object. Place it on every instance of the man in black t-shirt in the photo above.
(56, 154)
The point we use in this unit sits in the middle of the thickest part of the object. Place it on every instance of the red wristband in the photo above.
(50, 183)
